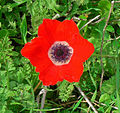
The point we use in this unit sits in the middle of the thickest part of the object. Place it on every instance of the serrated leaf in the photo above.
(109, 86)
(65, 92)
(12, 32)
(50, 4)
(104, 97)
(38, 11)
(105, 6)
(13, 53)
(19, 41)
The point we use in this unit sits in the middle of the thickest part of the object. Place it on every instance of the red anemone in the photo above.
(58, 52)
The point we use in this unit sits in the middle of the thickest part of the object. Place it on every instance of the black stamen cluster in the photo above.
(61, 53)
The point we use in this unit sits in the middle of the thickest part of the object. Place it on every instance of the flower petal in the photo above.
(48, 28)
(83, 49)
(73, 70)
(51, 75)
(70, 72)
(66, 30)
(37, 52)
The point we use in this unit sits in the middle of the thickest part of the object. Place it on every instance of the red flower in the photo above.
(58, 52)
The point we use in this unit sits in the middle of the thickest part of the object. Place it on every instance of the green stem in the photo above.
(98, 55)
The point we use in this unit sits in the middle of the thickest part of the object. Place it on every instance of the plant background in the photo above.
(19, 21)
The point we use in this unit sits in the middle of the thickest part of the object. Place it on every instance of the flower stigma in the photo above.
(60, 53)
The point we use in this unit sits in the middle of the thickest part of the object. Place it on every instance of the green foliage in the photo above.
(110, 29)
(109, 86)
(104, 98)
(14, 91)
(19, 21)
(65, 90)
(81, 2)
(105, 6)
(38, 11)
(76, 105)
(108, 91)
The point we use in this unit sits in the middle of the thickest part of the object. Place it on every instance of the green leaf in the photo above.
(105, 6)
(82, 2)
(94, 96)
(109, 86)
(110, 29)
(11, 6)
(77, 104)
(19, 1)
(38, 11)
(51, 4)
(108, 109)
(12, 32)
(104, 97)
(118, 31)
(13, 53)
(3, 33)
(65, 92)
(101, 110)
(19, 41)
(87, 10)
(23, 28)
(82, 17)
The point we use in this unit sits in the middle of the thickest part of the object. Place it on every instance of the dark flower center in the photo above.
(60, 53)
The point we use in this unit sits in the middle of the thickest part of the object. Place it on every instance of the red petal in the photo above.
(70, 72)
(51, 75)
(66, 30)
(83, 49)
(48, 28)
(73, 70)
(54, 30)
(37, 52)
